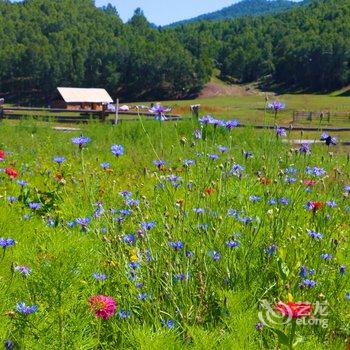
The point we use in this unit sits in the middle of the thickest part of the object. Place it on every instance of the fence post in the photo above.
(116, 112)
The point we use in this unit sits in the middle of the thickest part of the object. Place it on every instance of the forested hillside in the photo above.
(305, 48)
(244, 8)
(48, 43)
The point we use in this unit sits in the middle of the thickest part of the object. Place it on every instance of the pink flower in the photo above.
(103, 306)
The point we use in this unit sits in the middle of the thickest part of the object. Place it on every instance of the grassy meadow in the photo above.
(190, 236)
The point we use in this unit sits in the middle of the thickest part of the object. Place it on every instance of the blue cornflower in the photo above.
(51, 222)
(281, 132)
(180, 277)
(290, 180)
(126, 194)
(254, 198)
(232, 244)
(329, 139)
(309, 283)
(71, 224)
(189, 162)
(83, 222)
(276, 106)
(237, 169)
(159, 163)
(34, 205)
(347, 188)
(7, 242)
(99, 276)
(291, 170)
(134, 265)
(315, 171)
(123, 314)
(142, 296)
(246, 220)
(312, 272)
(214, 255)
(305, 148)
(199, 210)
(148, 255)
(117, 150)
(168, 323)
(59, 159)
(271, 249)
(303, 271)
(22, 308)
(81, 141)
(272, 201)
(259, 326)
(284, 201)
(331, 204)
(22, 183)
(99, 211)
(9, 344)
(326, 256)
(222, 149)
(197, 134)
(105, 165)
(176, 245)
(232, 124)
(139, 285)
(129, 238)
(125, 212)
(314, 234)
(148, 225)
(189, 254)
(342, 270)
(132, 202)
(12, 199)
(217, 122)
(347, 296)
(23, 270)
(27, 216)
(247, 154)
(213, 156)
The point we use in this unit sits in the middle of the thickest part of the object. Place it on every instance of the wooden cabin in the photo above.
(82, 98)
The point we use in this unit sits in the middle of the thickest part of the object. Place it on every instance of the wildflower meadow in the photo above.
(172, 235)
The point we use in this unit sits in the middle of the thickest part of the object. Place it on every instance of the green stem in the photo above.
(99, 326)
(292, 334)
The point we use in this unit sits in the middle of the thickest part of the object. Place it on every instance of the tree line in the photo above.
(307, 48)
(48, 43)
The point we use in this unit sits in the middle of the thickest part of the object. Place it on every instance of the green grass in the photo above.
(215, 305)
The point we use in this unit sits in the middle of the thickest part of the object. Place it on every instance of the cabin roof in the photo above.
(82, 95)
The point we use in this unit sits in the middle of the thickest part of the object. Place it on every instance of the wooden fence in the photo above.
(74, 116)
(320, 116)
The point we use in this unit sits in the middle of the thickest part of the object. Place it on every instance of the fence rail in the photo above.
(320, 116)
(72, 116)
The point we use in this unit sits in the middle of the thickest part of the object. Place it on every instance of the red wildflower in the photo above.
(12, 173)
(209, 191)
(310, 183)
(293, 309)
(2, 155)
(103, 306)
(315, 205)
(58, 176)
(265, 181)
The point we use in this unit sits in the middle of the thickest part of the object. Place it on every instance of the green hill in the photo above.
(244, 8)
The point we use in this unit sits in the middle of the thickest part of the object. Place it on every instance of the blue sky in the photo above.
(163, 12)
